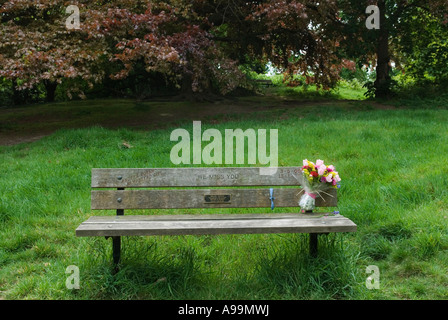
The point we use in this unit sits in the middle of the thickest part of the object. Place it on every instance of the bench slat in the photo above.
(216, 216)
(225, 224)
(193, 177)
(203, 198)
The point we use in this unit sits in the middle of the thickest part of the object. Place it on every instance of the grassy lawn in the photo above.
(393, 165)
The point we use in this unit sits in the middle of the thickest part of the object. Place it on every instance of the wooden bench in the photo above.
(205, 188)
(265, 83)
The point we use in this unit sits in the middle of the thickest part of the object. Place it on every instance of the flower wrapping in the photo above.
(307, 201)
(316, 178)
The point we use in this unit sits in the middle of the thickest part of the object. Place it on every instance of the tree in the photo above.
(201, 44)
(424, 49)
(382, 45)
(114, 36)
(166, 39)
(298, 37)
(37, 47)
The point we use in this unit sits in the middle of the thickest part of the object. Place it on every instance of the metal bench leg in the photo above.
(313, 244)
(313, 241)
(116, 249)
(116, 241)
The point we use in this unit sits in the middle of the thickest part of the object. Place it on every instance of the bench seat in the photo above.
(203, 224)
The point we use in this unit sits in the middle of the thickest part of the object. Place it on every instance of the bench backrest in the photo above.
(208, 187)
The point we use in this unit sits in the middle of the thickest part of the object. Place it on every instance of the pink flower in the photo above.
(329, 178)
(337, 178)
(305, 162)
(321, 170)
(319, 163)
(330, 168)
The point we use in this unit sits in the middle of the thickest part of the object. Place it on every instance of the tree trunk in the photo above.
(186, 90)
(16, 98)
(50, 87)
(186, 86)
(383, 67)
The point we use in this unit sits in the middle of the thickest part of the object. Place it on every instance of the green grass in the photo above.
(345, 89)
(393, 167)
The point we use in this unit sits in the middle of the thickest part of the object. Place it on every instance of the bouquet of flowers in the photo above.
(316, 177)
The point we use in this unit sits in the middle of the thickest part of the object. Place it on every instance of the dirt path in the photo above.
(31, 123)
(12, 140)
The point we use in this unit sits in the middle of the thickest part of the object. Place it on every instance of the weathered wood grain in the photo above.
(225, 224)
(216, 216)
(198, 198)
(193, 177)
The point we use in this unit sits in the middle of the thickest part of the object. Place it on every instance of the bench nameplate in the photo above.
(217, 199)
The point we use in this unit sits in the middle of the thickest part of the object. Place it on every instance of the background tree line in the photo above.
(141, 48)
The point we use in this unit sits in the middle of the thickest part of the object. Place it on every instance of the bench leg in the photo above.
(116, 241)
(116, 249)
(313, 244)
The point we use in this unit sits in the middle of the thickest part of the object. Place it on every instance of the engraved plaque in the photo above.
(217, 199)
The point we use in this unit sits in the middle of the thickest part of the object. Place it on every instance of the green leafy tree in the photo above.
(424, 49)
(387, 44)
